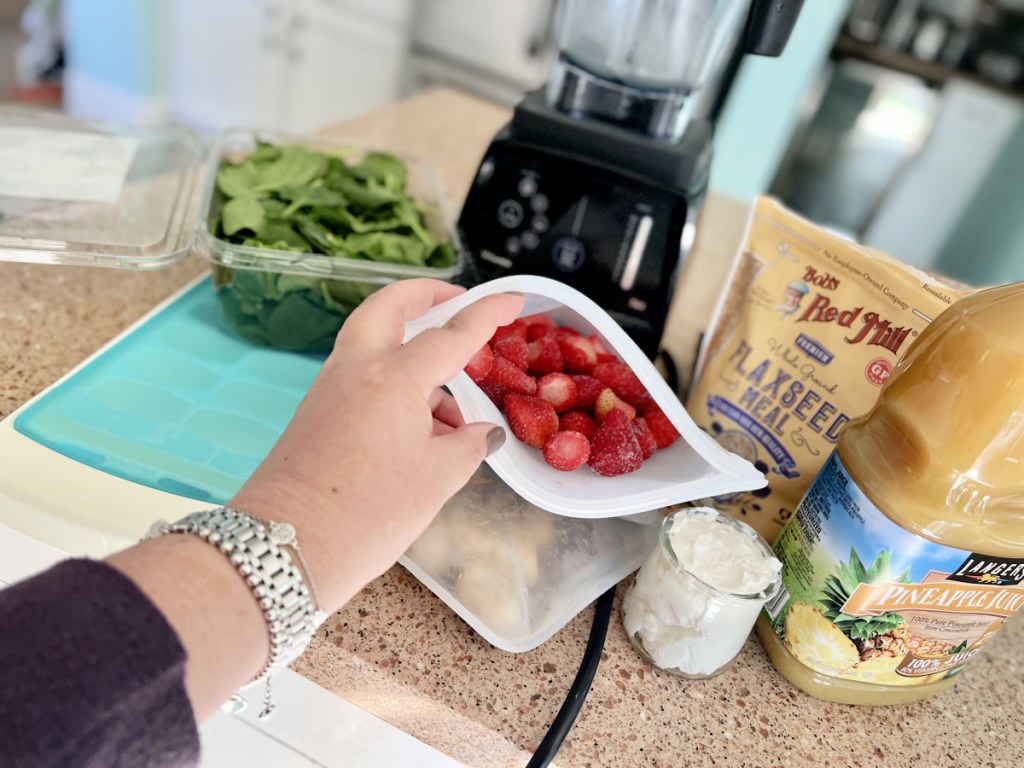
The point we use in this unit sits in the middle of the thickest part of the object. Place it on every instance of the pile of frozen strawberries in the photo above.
(565, 394)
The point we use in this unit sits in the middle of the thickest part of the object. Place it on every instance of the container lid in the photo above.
(89, 193)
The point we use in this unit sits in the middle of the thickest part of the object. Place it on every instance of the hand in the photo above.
(376, 447)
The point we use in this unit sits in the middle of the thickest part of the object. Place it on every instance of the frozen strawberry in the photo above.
(558, 389)
(539, 319)
(644, 436)
(587, 390)
(504, 378)
(567, 451)
(479, 365)
(664, 431)
(513, 348)
(607, 402)
(496, 393)
(516, 328)
(565, 331)
(577, 421)
(604, 355)
(578, 352)
(539, 331)
(627, 385)
(599, 345)
(614, 449)
(531, 419)
(544, 356)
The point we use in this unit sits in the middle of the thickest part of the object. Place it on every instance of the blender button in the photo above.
(527, 186)
(530, 240)
(510, 214)
(486, 171)
(539, 203)
(568, 254)
(540, 223)
(513, 246)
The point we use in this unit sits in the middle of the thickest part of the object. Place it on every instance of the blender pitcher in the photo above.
(643, 64)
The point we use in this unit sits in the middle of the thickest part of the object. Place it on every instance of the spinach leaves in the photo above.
(294, 198)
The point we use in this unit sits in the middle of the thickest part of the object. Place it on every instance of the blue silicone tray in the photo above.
(180, 404)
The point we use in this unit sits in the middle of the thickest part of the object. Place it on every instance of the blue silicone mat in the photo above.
(181, 404)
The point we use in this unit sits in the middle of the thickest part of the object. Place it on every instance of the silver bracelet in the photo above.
(257, 549)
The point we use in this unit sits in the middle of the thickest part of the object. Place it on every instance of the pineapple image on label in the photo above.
(875, 637)
(816, 641)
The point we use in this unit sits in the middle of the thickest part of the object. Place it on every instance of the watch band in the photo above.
(257, 550)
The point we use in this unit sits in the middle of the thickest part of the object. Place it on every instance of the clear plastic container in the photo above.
(297, 300)
(514, 572)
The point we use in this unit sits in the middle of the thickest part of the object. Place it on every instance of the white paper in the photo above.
(63, 165)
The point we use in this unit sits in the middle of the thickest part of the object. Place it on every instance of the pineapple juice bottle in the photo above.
(906, 555)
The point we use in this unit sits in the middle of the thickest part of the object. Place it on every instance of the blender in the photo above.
(597, 178)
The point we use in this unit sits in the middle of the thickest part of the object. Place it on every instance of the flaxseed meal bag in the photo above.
(807, 330)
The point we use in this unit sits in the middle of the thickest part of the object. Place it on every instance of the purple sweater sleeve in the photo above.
(92, 674)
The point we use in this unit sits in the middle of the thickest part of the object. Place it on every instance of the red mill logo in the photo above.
(873, 330)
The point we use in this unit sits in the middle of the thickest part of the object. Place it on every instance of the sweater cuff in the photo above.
(94, 673)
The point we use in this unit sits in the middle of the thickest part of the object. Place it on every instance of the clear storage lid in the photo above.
(88, 193)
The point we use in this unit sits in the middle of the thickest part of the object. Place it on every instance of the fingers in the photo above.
(445, 409)
(461, 451)
(437, 354)
(379, 321)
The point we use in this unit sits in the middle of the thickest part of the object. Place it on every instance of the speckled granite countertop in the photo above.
(400, 653)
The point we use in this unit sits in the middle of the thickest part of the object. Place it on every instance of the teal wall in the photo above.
(117, 42)
(987, 246)
(764, 105)
(764, 108)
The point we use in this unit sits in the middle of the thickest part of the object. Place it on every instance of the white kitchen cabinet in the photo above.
(289, 66)
(494, 48)
(227, 62)
(341, 62)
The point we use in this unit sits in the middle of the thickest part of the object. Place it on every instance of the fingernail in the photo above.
(495, 439)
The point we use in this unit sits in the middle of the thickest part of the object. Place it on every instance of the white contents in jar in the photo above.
(693, 618)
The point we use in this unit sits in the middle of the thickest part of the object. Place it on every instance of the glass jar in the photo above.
(696, 597)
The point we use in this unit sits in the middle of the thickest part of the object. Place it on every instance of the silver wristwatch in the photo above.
(257, 549)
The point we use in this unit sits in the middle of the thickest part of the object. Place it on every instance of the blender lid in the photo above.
(89, 193)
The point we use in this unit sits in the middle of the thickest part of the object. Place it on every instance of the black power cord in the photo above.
(566, 716)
